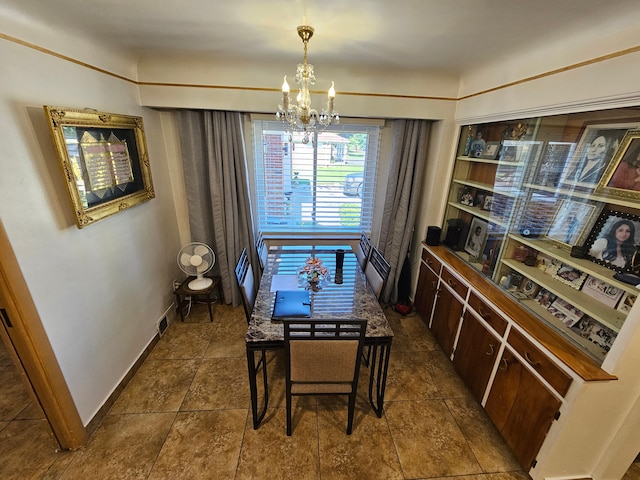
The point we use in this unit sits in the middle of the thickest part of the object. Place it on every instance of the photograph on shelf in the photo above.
(602, 291)
(488, 202)
(613, 239)
(478, 200)
(569, 275)
(490, 253)
(595, 332)
(509, 152)
(548, 170)
(491, 150)
(595, 149)
(465, 197)
(622, 176)
(545, 298)
(627, 301)
(530, 288)
(565, 312)
(573, 221)
(477, 236)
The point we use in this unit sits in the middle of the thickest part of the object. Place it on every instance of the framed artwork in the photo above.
(595, 150)
(612, 240)
(551, 165)
(572, 222)
(622, 176)
(602, 291)
(570, 275)
(476, 238)
(104, 160)
(491, 150)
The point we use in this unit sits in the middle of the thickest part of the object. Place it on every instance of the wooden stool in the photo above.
(183, 292)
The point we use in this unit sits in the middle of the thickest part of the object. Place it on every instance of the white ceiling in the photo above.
(437, 35)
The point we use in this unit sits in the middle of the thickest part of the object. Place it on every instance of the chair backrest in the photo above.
(246, 282)
(377, 272)
(261, 249)
(364, 250)
(323, 355)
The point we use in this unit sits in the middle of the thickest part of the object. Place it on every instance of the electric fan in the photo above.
(196, 259)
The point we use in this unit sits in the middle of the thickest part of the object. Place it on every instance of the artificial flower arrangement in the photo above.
(313, 271)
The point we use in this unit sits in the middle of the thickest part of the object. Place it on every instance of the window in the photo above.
(324, 186)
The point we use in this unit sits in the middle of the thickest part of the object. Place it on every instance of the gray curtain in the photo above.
(215, 175)
(401, 202)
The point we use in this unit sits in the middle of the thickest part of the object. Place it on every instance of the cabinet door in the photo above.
(426, 292)
(521, 407)
(475, 355)
(446, 318)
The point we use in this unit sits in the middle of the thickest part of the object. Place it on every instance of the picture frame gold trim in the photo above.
(104, 159)
(618, 178)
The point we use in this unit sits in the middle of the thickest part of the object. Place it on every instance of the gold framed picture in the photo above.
(622, 177)
(104, 160)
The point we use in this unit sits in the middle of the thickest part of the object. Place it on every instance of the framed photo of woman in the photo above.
(613, 238)
(622, 176)
(595, 150)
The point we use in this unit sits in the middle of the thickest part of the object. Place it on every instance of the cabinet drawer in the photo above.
(432, 262)
(455, 284)
(488, 314)
(557, 378)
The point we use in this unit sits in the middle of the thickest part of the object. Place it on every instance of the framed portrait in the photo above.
(104, 160)
(572, 222)
(602, 291)
(627, 301)
(570, 275)
(612, 240)
(491, 251)
(622, 176)
(595, 149)
(491, 150)
(476, 238)
(551, 165)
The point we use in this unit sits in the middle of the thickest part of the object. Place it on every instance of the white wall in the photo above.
(99, 291)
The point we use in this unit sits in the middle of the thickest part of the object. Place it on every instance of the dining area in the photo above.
(334, 287)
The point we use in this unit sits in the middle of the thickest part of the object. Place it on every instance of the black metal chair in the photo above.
(246, 282)
(261, 249)
(377, 272)
(363, 251)
(322, 358)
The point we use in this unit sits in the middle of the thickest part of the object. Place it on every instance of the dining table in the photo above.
(340, 294)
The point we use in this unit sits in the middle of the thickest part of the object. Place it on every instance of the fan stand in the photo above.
(200, 283)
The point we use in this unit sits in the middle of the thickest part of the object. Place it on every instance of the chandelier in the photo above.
(298, 116)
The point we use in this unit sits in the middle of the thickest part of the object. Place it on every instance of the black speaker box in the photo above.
(433, 235)
(457, 230)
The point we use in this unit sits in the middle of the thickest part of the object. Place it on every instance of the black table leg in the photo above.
(379, 366)
(253, 387)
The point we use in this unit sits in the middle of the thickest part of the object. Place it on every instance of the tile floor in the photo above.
(185, 415)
